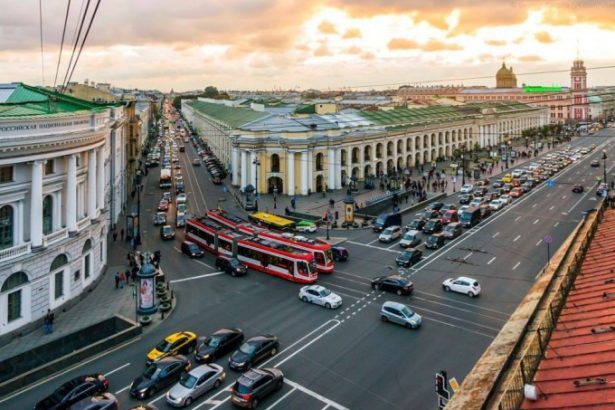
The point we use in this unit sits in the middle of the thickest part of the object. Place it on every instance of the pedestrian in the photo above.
(49, 322)
(122, 280)
(129, 259)
(133, 274)
(114, 235)
(122, 234)
(117, 280)
(127, 276)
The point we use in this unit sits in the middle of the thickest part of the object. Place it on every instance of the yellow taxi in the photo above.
(507, 178)
(176, 343)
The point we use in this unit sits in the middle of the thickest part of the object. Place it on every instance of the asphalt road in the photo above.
(348, 358)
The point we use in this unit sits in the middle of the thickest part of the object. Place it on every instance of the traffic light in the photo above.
(441, 382)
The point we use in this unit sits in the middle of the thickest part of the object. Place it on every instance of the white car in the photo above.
(462, 284)
(516, 173)
(467, 189)
(476, 202)
(496, 204)
(181, 198)
(390, 234)
(506, 198)
(320, 295)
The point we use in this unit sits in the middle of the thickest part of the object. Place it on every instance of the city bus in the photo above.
(257, 253)
(272, 221)
(321, 250)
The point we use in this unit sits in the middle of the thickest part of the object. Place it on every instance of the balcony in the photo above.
(54, 237)
(14, 252)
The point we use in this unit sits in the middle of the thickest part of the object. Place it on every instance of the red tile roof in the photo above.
(578, 371)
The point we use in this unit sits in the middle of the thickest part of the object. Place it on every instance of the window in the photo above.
(86, 269)
(275, 163)
(49, 165)
(6, 227)
(59, 284)
(14, 281)
(47, 215)
(6, 174)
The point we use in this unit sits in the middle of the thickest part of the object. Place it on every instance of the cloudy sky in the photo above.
(267, 44)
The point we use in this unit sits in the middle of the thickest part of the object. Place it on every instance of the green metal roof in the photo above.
(23, 94)
(235, 117)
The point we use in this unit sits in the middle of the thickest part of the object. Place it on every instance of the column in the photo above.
(304, 173)
(57, 211)
(36, 205)
(253, 159)
(71, 193)
(311, 170)
(235, 166)
(244, 169)
(331, 183)
(19, 219)
(100, 178)
(290, 181)
(338, 168)
(92, 184)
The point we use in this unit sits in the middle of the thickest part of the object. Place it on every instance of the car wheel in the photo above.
(409, 326)
(384, 318)
(233, 273)
(274, 351)
(279, 384)
(304, 298)
(328, 305)
(149, 393)
(398, 292)
(447, 289)
(217, 383)
(188, 401)
(470, 294)
(254, 404)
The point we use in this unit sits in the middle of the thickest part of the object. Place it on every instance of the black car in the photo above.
(448, 207)
(578, 189)
(434, 241)
(436, 206)
(393, 283)
(192, 249)
(166, 232)
(232, 266)
(105, 401)
(409, 257)
(159, 375)
(73, 391)
(253, 351)
(221, 342)
(340, 254)
(595, 163)
(432, 226)
(416, 224)
(254, 385)
(465, 199)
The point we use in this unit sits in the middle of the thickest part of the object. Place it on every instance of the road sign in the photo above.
(550, 183)
(548, 238)
(454, 384)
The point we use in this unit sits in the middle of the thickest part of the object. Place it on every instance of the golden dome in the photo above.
(505, 78)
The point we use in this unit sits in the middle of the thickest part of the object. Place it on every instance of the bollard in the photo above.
(172, 295)
(168, 286)
(161, 315)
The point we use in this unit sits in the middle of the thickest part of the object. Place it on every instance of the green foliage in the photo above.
(210, 92)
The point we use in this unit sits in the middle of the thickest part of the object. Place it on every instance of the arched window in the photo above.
(10, 286)
(87, 259)
(58, 262)
(275, 163)
(6, 227)
(47, 215)
(58, 275)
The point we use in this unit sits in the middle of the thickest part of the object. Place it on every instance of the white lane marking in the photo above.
(536, 221)
(564, 197)
(491, 261)
(315, 395)
(551, 208)
(123, 389)
(468, 255)
(458, 327)
(117, 369)
(325, 408)
(374, 247)
(534, 205)
(517, 218)
(291, 391)
(517, 238)
(555, 224)
(459, 309)
(375, 240)
(495, 234)
(393, 245)
(157, 398)
(195, 260)
(196, 277)
(516, 265)
(539, 242)
(306, 345)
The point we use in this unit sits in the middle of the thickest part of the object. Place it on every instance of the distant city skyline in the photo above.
(268, 44)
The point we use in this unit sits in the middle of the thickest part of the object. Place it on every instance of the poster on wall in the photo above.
(146, 293)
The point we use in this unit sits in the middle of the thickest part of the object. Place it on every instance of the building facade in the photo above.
(299, 154)
(57, 158)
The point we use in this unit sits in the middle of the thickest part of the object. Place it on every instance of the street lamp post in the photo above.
(257, 163)
(137, 240)
(463, 165)
(604, 165)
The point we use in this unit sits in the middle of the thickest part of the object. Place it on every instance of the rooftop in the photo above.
(236, 117)
(578, 370)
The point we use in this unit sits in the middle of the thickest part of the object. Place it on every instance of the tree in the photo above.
(210, 92)
(177, 102)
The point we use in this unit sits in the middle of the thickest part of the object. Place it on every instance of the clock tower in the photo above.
(578, 85)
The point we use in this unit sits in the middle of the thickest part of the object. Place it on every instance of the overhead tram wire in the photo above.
(55, 80)
(85, 37)
(70, 62)
(77, 25)
(40, 14)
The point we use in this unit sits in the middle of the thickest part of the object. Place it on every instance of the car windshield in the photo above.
(213, 341)
(194, 248)
(188, 381)
(152, 372)
(407, 311)
(163, 346)
(247, 348)
(388, 231)
(325, 292)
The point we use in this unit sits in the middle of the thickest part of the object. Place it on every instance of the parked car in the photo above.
(232, 266)
(166, 196)
(193, 385)
(159, 375)
(163, 205)
(434, 241)
(320, 295)
(174, 344)
(192, 249)
(393, 283)
(390, 234)
(166, 232)
(462, 284)
(73, 391)
(400, 314)
(409, 257)
(340, 254)
(255, 385)
(410, 239)
(452, 230)
(253, 351)
(221, 342)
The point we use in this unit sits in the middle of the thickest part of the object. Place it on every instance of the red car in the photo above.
(449, 216)
(516, 192)
(163, 206)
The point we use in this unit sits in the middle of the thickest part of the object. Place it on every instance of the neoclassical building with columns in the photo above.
(59, 159)
(297, 153)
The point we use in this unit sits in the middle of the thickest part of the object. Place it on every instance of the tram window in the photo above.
(320, 257)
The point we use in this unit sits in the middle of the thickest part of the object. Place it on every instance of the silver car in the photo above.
(196, 383)
(401, 314)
